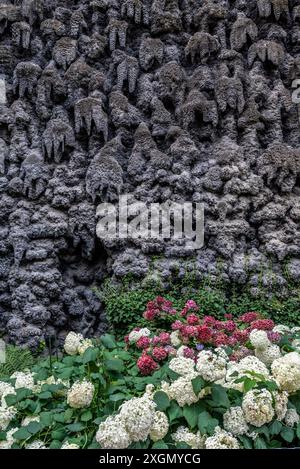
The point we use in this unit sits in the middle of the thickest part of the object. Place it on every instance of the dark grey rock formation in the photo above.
(188, 100)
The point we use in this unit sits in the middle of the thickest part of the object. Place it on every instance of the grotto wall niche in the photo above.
(184, 100)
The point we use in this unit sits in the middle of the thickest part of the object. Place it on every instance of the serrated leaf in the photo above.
(287, 434)
(90, 355)
(75, 427)
(198, 384)
(21, 434)
(86, 416)
(174, 411)
(206, 423)
(108, 341)
(275, 427)
(114, 364)
(219, 396)
(162, 400)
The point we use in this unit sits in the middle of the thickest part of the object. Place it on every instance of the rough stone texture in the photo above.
(163, 99)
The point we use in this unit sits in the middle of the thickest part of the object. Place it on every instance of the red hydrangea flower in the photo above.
(263, 324)
(146, 365)
(189, 353)
(192, 319)
(159, 353)
(155, 340)
(177, 325)
(204, 334)
(209, 321)
(249, 317)
(164, 338)
(241, 336)
(220, 339)
(229, 326)
(228, 316)
(189, 331)
(143, 342)
(150, 314)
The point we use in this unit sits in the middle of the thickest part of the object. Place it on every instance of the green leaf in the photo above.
(90, 355)
(86, 416)
(198, 384)
(22, 434)
(58, 434)
(119, 396)
(22, 393)
(10, 399)
(259, 443)
(114, 364)
(55, 444)
(246, 442)
(162, 400)
(174, 411)
(46, 418)
(60, 418)
(108, 341)
(219, 396)
(190, 413)
(34, 427)
(275, 427)
(160, 445)
(75, 427)
(287, 434)
(206, 423)
(45, 395)
(298, 431)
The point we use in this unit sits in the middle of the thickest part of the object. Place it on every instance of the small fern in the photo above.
(17, 359)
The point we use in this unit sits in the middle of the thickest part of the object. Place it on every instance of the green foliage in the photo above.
(126, 301)
(17, 359)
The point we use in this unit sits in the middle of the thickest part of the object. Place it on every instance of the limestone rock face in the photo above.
(164, 100)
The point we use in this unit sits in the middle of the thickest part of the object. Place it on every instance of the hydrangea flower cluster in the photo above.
(189, 334)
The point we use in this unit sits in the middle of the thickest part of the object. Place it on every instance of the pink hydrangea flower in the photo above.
(159, 353)
(146, 365)
(143, 342)
(249, 317)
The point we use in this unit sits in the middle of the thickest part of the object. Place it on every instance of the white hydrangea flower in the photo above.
(245, 367)
(138, 416)
(184, 435)
(80, 394)
(291, 418)
(182, 366)
(24, 379)
(160, 426)
(112, 434)
(175, 340)
(268, 355)
(7, 444)
(281, 329)
(258, 407)
(181, 390)
(5, 390)
(36, 444)
(72, 342)
(234, 421)
(7, 414)
(259, 339)
(30, 418)
(212, 365)
(295, 330)
(84, 345)
(134, 336)
(221, 440)
(67, 445)
(286, 371)
(281, 403)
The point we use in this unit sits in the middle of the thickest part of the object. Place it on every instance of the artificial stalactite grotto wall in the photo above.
(164, 99)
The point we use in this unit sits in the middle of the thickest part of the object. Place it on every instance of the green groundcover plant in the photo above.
(216, 384)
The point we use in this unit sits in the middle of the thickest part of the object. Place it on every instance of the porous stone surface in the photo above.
(183, 100)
